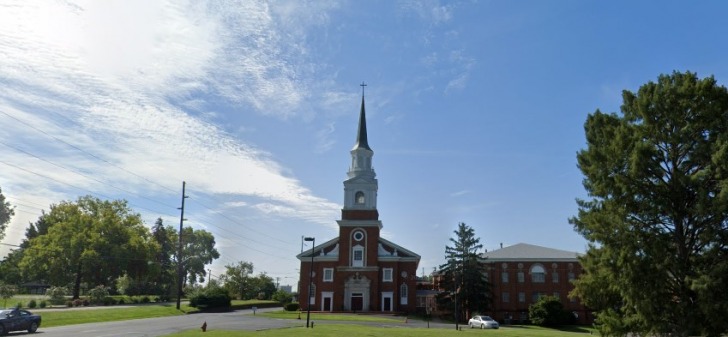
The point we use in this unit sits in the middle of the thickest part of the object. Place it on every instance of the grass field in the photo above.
(329, 317)
(336, 330)
(108, 314)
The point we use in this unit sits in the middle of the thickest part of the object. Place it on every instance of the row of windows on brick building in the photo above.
(535, 296)
(538, 275)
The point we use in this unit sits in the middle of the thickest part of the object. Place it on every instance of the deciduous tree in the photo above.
(198, 250)
(6, 212)
(657, 217)
(91, 241)
(237, 278)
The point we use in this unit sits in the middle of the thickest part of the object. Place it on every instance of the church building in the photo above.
(359, 271)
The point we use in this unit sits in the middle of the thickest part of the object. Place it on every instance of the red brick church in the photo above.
(359, 271)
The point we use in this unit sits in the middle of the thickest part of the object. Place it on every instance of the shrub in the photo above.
(69, 304)
(43, 304)
(145, 299)
(32, 304)
(19, 305)
(291, 306)
(282, 297)
(77, 302)
(548, 311)
(108, 300)
(98, 294)
(211, 297)
(121, 301)
(57, 295)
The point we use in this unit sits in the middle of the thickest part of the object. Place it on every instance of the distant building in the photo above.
(359, 270)
(287, 289)
(522, 273)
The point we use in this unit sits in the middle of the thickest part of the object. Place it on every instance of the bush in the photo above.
(108, 300)
(57, 295)
(291, 306)
(548, 311)
(43, 304)
(98, 294)
(69, 304)
(32, 304)
(282, 297)
(212, 297)
(145, 299)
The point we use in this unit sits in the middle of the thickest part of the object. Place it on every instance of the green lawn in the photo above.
(108, 314)
(336, 330)
(330, 317)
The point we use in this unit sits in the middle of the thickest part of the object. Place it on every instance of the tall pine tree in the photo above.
(463, 277)
(657, 220)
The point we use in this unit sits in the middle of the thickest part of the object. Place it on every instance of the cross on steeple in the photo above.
(362, 88)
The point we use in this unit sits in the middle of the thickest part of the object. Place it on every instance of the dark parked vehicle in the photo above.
(17, 320)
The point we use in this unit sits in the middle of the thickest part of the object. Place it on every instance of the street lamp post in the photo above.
(310, 279)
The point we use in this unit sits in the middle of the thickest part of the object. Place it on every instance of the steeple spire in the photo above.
(361, 135)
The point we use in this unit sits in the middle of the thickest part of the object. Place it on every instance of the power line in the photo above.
(86, 152)
(74, 186)
(85, 176)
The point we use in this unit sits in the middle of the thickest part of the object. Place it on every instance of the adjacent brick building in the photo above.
(359, 270)
(522, 273)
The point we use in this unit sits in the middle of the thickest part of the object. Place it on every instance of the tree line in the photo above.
(90, 242)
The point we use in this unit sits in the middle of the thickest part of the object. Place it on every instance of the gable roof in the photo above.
(329, 251)
(525, 252)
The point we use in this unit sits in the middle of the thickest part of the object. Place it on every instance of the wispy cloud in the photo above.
(106, 89)
(459, 193)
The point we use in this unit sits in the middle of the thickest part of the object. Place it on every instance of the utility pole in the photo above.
(179, 247)
(209, 277)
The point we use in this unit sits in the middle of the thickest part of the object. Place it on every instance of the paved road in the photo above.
(237, 320)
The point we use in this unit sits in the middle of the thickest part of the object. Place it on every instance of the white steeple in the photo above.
(360, 190)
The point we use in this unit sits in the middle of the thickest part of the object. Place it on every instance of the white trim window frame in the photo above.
(328, 275)
(357, 259)
(387, 274)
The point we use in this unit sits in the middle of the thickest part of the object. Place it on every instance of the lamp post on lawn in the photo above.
(310, 279)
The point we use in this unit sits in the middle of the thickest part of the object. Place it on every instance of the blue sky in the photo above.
(475, 111)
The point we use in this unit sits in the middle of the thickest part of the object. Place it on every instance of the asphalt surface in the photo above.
(236, 320)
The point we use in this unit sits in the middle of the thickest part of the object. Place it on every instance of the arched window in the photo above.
(359, 198)
(538, 274)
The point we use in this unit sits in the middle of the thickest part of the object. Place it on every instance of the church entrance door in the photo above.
(357, 302)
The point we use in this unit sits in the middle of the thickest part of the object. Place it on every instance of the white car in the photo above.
(483, 322)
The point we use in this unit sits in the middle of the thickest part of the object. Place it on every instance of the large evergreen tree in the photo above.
(657, 220)
(463, 276)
